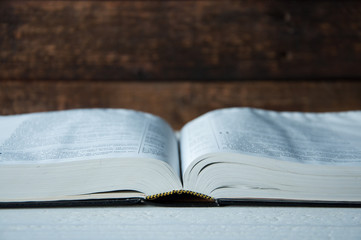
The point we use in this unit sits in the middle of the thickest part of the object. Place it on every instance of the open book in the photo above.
(225, 156)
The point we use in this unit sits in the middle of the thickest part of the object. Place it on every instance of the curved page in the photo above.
(310, 138)
(85, 134)
(62, 153)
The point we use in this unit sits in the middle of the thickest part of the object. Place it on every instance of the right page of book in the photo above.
(311, 138)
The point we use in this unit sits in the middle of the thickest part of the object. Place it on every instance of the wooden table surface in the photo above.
(144, 222)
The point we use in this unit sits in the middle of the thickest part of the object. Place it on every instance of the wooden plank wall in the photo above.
(178, 40)
(179, 59)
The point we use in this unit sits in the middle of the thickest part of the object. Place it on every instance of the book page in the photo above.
(86, 134)
(318, 138)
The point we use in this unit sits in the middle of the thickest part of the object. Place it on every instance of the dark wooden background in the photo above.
(179, 59)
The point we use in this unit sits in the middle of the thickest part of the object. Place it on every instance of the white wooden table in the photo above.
(146, 222)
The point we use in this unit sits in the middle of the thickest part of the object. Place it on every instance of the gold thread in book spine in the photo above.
(152, 197)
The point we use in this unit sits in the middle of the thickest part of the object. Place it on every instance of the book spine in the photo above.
(155, 196)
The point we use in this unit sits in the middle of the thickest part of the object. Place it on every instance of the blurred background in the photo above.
(179, 59)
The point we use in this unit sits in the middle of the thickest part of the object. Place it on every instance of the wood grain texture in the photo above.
(179, 102)
(162, 223)
(180, 40)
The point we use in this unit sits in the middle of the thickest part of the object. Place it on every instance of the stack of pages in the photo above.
(225, 156)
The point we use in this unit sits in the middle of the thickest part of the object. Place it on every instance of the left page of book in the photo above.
(85, 134)
(78, 152)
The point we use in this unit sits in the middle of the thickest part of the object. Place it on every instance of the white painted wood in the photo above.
(145, 222)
